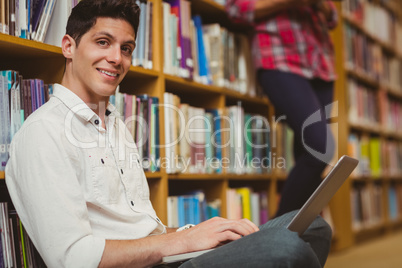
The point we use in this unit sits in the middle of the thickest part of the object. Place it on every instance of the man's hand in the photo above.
(215, 232)
(324, 8)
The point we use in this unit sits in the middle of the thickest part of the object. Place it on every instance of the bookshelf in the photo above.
(38, 60)
(367, 58)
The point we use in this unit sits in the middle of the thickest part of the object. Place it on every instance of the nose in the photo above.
(114, 55)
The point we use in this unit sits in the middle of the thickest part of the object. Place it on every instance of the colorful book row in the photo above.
(366, 206)
(191, 208)
(363, 108)
(141, 116)
(19, 97)
(199, 140)
(378, 157)
(244, 203)
(208, 54)
(142, 55)
(39, 20)
(376, 20)
(16, 248)
(368, 58)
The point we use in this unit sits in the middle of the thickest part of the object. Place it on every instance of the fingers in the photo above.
(251, 224)
(241, 227)
(226, 236)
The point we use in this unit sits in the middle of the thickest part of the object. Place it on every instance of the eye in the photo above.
(102, 42)
(127, 50)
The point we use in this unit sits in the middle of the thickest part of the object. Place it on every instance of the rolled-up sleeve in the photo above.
(241, 10)
(46, 193)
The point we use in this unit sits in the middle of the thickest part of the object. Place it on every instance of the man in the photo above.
(82, 201)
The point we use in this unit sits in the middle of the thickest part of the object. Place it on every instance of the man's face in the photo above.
(102, 59)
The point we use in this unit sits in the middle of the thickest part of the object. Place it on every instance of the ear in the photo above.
(68, 46)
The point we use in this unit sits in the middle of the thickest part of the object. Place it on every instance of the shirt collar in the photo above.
(77, 105)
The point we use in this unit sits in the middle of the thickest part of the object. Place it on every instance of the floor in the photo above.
(381, 252)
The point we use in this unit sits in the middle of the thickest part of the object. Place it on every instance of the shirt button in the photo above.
(96, 122)
(132, 203)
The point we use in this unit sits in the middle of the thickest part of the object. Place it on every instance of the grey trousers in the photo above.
(272, 246)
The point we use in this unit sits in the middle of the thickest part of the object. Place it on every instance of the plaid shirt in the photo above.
(294, 40)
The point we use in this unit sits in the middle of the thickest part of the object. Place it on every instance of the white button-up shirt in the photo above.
(75, 184)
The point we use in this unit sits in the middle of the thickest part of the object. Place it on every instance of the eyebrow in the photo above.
(103, 33)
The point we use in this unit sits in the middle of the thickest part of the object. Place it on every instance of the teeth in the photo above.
(108, 73)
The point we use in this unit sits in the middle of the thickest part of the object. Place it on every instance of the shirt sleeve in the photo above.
(41, 177)
(241, 10)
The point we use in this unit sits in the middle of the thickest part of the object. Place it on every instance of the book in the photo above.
(12, 17)
(139, 61)
(203, 64)
(155, 134)
(214, 52)
(54, 30)
(38, 7)
(167, 42)
(5, 120)
(216, 140)
(245, 194)
(44, 22)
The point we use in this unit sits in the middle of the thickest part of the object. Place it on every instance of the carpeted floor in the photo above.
(381, 252)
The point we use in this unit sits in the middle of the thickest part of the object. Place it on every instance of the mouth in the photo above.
(108, 73)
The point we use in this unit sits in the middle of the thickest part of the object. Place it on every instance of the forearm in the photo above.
(141, 252)
(150, 250)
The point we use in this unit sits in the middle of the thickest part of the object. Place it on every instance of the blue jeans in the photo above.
(272, 246)
(298, 98)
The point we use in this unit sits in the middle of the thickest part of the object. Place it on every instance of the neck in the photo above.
(98, 104)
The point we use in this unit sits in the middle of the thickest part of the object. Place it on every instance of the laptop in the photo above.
(306, 215)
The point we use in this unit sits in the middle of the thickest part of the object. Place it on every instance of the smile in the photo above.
(108, 73)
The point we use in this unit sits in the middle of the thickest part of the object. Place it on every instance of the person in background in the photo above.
(83, 200)
(294, 58)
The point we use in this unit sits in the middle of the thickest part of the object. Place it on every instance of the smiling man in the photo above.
(80, 200)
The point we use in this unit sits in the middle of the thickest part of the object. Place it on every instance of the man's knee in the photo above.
(319, 237)
(286, 249)
(319, 227)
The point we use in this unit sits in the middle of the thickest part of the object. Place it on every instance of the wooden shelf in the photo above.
(153, 175)
(395, 92)
(234, 95)
(366, 178)
(363, 77)
(249, 177)
(179, 85)
(186, 176)
(228, 176)
(15, 47)
(373, 129)
(369, 232)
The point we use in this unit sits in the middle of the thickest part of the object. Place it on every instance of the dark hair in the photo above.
(84, 15)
